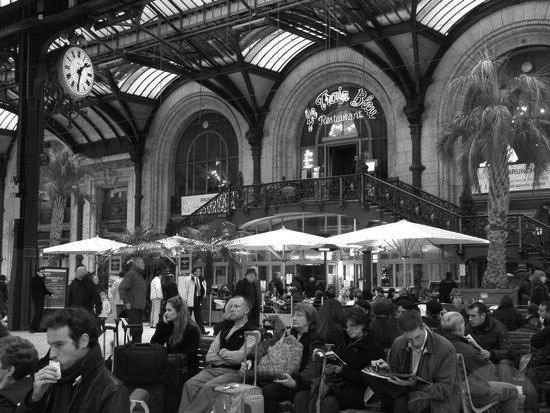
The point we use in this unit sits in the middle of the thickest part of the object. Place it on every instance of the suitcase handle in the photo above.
(257, 335)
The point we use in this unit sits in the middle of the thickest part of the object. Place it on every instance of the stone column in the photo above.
(414, 111)
(137, 158)
(30, 131)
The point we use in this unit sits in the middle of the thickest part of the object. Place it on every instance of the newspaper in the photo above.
(390, 375)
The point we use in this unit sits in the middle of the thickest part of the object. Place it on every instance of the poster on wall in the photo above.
(56, 280)
(521, 179)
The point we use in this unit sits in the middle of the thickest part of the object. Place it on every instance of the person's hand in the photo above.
(410, 382)
(333, 369)
(43, 380)
(486, 354)
(245, 366)
(223, 352)
(128, 306)
(287, 381)
(380, 365)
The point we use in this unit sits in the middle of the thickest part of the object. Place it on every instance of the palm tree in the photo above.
(508, 113)
(61, 178)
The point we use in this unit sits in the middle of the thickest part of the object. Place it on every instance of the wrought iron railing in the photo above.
(527, 233)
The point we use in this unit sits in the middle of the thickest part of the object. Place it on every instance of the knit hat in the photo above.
(434, 307)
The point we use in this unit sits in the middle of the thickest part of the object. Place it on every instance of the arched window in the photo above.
(207, 157)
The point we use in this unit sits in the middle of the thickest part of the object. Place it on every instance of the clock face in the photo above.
(77, 72)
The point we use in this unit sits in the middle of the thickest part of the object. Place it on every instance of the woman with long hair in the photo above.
(331, 325)
(179, 333)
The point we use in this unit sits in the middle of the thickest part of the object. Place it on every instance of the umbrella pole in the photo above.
(326, 268)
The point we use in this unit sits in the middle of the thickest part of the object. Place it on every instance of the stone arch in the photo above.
(170, 121)
(283, 126)
(518, 26)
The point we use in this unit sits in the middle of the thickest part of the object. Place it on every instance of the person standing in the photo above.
(169, 290)
(155, 296)
(539, 291)
(446, 287)
(38, 292)
(3, 296)
(247, 289)
(83, 292)
(200, 292)
(186, 290)
(133, 291)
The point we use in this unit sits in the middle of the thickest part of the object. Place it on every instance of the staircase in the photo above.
(392, 199)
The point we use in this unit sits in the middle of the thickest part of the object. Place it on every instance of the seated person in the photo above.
(225, 355)
(431, 362)
(18, 359)
(364, 304)
(304, 322)
(344, 383)
(484, 385)
(540, 343)
(384, 325)
(432, 318)
(508, 315)
(404, 304)
(179, 333)
(76, 378)
(489, 333)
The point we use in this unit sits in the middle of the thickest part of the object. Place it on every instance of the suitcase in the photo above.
(140, 364)
(241, 397)
(176, 375)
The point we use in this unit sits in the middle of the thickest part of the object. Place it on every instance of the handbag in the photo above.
(284, 356)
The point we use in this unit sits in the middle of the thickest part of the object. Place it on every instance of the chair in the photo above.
(520, 345)
(204, 345)
(466, 396)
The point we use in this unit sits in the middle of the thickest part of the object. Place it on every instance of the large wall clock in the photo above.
(75, 72)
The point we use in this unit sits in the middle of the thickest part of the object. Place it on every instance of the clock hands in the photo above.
(79, 72)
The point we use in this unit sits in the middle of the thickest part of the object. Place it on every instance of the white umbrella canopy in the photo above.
(404, 236)
(280, 242)
(96, 245)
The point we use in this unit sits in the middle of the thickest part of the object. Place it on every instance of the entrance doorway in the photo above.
(342, 159)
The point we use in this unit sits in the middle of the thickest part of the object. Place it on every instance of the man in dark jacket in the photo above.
(540, 343)
(225, 355)
(18, 359)
(484, 385)
(247, 287)
(83, 292)
(3, 296)
(445, 288)
(133, 290)
(38, 292)
(539, 291)
(75, 380)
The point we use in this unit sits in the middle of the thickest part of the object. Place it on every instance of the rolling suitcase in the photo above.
(241, 397)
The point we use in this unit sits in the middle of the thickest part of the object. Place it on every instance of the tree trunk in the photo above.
(58, 210)
(497, 209)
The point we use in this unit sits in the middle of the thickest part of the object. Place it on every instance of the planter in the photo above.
(488, 296)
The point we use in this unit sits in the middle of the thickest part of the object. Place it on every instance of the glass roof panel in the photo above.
(170, 8)
(8, 120)
(275, 50)
(143, 81)
(6, 2)
(441, 15)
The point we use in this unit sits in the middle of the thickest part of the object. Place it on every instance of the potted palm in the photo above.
(508, 113)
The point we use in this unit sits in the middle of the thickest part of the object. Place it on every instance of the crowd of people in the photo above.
(332, 342)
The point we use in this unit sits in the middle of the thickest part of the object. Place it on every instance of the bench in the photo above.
(204, 345)
(465, 394)
(520, 345)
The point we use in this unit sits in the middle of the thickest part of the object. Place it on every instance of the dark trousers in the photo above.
(135, 317)
(275, 393)
(198, 315)
(38, 309)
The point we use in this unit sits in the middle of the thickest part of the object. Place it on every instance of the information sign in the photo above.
(56, 280)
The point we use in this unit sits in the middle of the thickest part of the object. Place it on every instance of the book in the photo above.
(333, 358)
(390, 375)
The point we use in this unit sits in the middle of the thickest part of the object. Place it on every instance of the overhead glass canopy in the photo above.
(6, 2)
(143, 81)
(442, 15)
(8, 120)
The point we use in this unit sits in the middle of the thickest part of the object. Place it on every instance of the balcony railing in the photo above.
(397, 198)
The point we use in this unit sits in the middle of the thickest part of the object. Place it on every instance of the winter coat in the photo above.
(539, 292)
(156, 289)
(169, 290)
(438, 366)
(189, 344)
(91, 388)
(509, 316)
(445, 288)
(38, 288)
(133, 289)
(540, 343)
(13, 394)
(83, 293)
(492, 335)
(249, 290)
(385, 329)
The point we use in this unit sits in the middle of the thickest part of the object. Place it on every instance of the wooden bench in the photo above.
(465, 394)
(520, 345)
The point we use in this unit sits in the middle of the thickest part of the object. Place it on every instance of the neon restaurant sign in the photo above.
(362, 100)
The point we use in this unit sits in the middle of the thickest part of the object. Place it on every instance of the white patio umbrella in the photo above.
(90, 246)
(281, 242)
(404, 237)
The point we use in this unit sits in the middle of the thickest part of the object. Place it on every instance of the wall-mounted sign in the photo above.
(521, 178)
(361, 100)
(190, 204)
